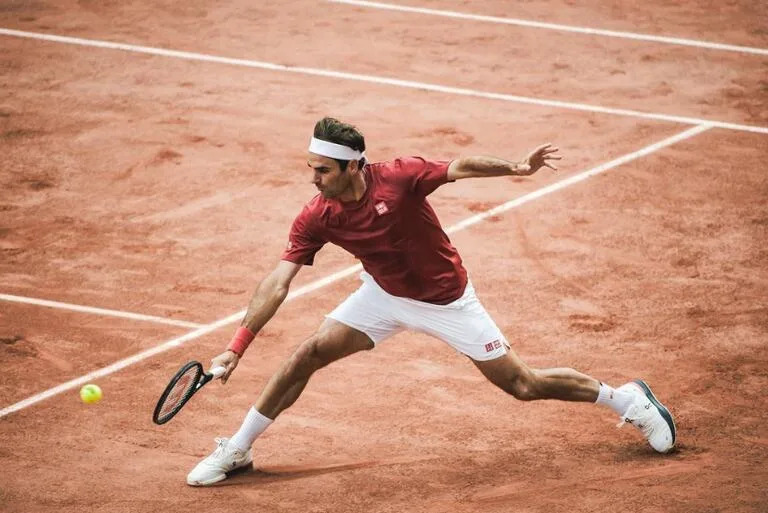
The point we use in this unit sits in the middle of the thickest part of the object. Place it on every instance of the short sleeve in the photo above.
(424, 175)
(302, 243)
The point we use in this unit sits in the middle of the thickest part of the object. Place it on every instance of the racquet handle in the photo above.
(218, 371)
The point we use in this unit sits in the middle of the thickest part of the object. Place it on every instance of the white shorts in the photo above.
(463, 324)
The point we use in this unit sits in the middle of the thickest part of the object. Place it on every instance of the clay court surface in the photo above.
(165, 186)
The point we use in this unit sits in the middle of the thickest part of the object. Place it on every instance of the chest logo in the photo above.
(381, 208)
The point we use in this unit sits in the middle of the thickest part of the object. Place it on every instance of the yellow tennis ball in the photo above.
(90, 394)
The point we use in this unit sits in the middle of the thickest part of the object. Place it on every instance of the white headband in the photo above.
(333, 150)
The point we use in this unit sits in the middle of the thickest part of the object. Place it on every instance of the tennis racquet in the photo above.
(181, 388)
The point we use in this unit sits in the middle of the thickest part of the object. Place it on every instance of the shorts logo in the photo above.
(289, 246)
(490, 346)
(381, 208)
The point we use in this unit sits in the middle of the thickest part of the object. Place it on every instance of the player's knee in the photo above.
(524, 386)
(305, 360)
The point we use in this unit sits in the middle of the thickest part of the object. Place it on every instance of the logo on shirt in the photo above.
(490, 346)
(381, 208)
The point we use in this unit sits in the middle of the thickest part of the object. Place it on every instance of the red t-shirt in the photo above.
(392, 230)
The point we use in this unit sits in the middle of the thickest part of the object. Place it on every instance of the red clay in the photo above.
(167, 187)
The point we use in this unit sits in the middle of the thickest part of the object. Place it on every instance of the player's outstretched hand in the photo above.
(229, 361)
(538, 158)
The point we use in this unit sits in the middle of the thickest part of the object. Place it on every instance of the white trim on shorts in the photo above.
(463, 324)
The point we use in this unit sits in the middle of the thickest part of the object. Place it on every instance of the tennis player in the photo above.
(413, 279)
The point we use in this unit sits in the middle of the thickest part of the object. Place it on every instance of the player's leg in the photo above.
(512, 375)
(332, 341)
(634, 401)
(359, 322)
(467, 327)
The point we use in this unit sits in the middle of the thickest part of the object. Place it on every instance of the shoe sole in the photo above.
(221, 477)
(662, 409)
(209, 482)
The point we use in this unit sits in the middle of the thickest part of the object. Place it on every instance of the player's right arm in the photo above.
(268, 297)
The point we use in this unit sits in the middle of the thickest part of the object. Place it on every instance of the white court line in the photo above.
(372, 79)
(174, 342)
(204, 330)
(100, 311)
(556, 26)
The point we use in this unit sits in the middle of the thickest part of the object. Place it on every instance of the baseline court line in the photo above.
(557, 26)
(372, 79)
(100, 311)
(318, 284)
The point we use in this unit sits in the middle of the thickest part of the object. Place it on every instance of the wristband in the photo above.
(241, 340)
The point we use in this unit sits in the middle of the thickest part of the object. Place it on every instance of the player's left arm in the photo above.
(480, 167)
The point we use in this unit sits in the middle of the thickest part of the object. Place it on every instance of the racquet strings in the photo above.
(179, 393)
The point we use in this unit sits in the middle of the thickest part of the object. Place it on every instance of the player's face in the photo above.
(328, 177)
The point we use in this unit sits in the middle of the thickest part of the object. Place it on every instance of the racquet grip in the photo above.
(218, 371)
(241, 341)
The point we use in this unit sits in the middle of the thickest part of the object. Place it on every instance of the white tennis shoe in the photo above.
(215, 467)
(651, 417)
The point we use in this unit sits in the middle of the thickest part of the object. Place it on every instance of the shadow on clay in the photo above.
(286, 473)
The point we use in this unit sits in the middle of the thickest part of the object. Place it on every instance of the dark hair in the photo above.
(333, 130)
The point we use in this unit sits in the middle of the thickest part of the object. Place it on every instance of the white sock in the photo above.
(617, 400)
(254, 425)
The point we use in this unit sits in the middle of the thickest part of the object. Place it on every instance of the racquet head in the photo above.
(179, 390)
